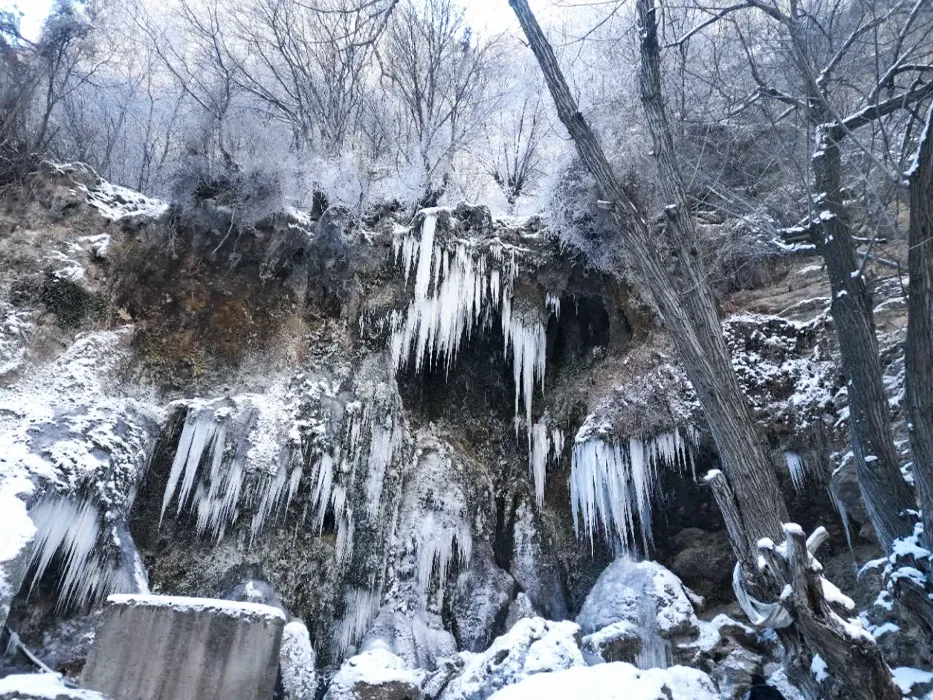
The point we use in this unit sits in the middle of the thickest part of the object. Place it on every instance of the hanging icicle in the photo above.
(456, 290)
(611, 484)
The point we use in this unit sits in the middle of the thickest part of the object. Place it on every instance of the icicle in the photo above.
(360, 606)
(610, 485)
(557, 443)
(540, 448)
(436, 540)
(552, 302)
(72, 531)
(795, 467)
(454, 292)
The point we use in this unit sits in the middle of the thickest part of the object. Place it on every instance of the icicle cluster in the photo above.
(611, 484)
(71, 531)
(456, 289)
(220, 446)
(546, 445)
(246, 454)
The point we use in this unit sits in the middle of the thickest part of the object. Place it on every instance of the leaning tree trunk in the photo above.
(919, 347)
(887, 496)
(684, 300)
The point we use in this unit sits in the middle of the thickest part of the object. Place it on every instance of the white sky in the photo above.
(492, 15)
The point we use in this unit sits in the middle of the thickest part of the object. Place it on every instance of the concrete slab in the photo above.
(153, 647)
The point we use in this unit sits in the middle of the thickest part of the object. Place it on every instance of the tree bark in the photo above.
(886, 495)
(679, 288)
(919, 346)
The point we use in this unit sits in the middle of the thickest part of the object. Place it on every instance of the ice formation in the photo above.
(456, 291)
(611, 484)
(796, 468)
(547, 445)
(71, 530)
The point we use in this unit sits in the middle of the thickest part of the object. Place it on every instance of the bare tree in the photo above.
(515, 140)
(439, 74)
(919, 368)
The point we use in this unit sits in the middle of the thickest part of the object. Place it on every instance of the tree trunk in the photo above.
(919, 347)
(887, 496)
(683, 297)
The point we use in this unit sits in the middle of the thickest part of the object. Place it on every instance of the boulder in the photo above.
(643, 593)
(173, 648)
(620, 641)
(375, 674)
(533, 645)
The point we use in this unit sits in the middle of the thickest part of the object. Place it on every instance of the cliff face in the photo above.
(411, 430)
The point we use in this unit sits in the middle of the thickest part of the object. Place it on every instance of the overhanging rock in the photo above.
(154, 647)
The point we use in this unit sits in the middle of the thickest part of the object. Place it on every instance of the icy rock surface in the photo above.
(533, 645)
(375, 674)
(646, 595)
(298, 663)
(614, 681)
(483, 593)
(42, 686)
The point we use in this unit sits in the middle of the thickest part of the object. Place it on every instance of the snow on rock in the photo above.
(16, 536)
(614, 681)
(620, 641)
(298, 663)
(115, 202)
(69, 429)
(532, 646)
(648, 596)
(42, 686)
(375, 674)
(785, 367)
(908, 679)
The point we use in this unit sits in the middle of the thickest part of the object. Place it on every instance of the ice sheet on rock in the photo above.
(612, 485)
(360, 609)
(43, 685)
(614, 681)
(184, 604)
(417, 637)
